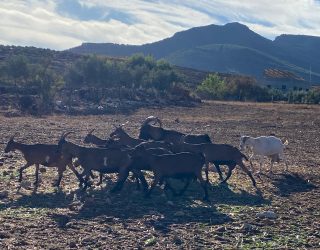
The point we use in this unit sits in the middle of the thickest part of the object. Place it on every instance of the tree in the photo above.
(212, 87)
(17, 68)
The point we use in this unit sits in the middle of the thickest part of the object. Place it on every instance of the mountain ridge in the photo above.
(294, 53)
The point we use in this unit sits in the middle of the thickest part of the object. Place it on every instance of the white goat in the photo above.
(269, 146)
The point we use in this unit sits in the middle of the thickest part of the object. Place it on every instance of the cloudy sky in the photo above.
(61, 24)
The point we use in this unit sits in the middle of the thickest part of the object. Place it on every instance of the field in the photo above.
(68, 219)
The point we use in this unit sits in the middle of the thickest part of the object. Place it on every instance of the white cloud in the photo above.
(39, 23)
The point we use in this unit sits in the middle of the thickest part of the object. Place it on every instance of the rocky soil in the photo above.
(283, 214)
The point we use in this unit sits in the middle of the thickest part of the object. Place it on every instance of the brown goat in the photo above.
(181, 165)
(103, 160)
(41, 154)
(123, 138)
(218, 154)
(148, 131)
(139, 163)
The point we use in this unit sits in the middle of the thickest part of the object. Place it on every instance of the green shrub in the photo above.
(212, 87)
(17, 68)
(137, 71)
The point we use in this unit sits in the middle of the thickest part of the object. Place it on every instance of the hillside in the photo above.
(232, 48)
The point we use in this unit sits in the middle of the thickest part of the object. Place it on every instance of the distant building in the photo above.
(284, 80)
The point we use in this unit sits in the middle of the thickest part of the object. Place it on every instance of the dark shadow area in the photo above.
(42, 200)
(223, 194)
(288, 184)
(160, 211)
(130, 204)
(60, 219)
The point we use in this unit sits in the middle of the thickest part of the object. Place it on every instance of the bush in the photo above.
(301, 96)
(212, 88)
(137, 71)
(18, 68)
(26, 103)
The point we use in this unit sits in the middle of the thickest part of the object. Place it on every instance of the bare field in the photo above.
(69, 219)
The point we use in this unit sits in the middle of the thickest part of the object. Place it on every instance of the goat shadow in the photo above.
(129, 204)
(158, 210)
(288, 184)
(42, 200)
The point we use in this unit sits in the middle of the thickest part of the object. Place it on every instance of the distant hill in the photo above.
(231, 48)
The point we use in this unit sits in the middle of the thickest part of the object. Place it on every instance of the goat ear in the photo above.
(61, 137)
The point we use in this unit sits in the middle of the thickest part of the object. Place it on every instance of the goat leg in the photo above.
(36, 175)
(204, 186)
(153, 185)
(86, 180)
(100, 178)
(122, 177)
(247, 171)
(207, 171)
(219, 171)
(21, 170)
(169, 187)
(184, 188)
(60, 175)
(139, 175)
(137, 183)
(79, 176)
(231, 166)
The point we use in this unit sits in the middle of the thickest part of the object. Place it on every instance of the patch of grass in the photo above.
(266, 241)
(238, 209)
(24, 212)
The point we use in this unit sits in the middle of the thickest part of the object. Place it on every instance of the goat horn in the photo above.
(90, 132)
(64, 135)
(12, 137)
(152, 119)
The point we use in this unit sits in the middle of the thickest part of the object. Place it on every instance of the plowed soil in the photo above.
(67, 218)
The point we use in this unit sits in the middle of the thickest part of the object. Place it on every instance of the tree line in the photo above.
(137, 71)
(216, 88)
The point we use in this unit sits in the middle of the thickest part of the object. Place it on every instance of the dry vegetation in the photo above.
(63, 219)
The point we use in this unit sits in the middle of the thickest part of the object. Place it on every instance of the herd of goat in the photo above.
(167, 153)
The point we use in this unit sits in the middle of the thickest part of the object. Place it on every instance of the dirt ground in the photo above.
(69, 219)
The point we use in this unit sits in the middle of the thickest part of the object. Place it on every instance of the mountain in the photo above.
(231, 48)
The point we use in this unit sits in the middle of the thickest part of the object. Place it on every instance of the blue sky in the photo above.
(61, 24)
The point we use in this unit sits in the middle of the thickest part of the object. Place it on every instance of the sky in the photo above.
(62, 24)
